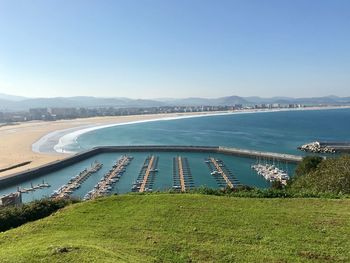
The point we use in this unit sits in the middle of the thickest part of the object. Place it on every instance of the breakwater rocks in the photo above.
(317, 147)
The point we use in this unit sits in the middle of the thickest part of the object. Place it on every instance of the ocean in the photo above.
(279, 132)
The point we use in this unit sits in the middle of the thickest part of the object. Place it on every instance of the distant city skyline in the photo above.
(175, 49)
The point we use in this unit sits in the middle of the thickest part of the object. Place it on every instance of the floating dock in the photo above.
(105, 185)
(66, 190)
(222, 174)
(182, 176)
(144, 182)
(33, 188)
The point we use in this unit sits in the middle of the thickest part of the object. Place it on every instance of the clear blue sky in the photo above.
(175, 48)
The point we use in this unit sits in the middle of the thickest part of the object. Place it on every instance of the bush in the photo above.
(252, 192)
(330, 176)
(11, 217)
(307, 165)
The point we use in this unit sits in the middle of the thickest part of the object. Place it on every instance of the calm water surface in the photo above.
(269, 131)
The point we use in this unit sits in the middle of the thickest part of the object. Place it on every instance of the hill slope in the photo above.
(186, 228)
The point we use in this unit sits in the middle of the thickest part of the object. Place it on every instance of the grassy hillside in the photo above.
(186, 228)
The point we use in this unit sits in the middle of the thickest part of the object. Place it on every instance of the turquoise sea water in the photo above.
(273, 131)
(276, 132)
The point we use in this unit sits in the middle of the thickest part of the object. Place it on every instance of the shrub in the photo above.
(330, 176)
(307, 165)
(11, 217)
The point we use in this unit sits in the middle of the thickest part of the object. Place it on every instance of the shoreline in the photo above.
(35, 141)
(68, 137)
(16, 141)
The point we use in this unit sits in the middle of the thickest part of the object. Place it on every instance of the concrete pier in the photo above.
(222, 173)
(105, 185)
(148, 171)
(182, 175)
(145, 179)
(66, 190)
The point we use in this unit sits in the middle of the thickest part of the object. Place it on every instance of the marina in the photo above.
(57, 165)
(160, 175)
(182, 176)
(106, 183)
(75, 182)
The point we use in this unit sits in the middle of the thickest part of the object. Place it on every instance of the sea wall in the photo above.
(337, 146)
(47, 168)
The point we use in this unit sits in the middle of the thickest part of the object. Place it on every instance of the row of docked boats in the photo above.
(15, 198)
(271, 173)
(222, 174)
(136, 186)
(75, 182)
(32, 188)
(105, 185)
(147, 174)
(182, 175)
(213, 171)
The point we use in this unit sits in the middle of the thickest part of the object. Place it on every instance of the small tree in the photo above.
(308, 165)
(329, 176)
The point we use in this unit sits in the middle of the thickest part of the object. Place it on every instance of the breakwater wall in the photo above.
(44, 169)
(337, 146)
(205, 149)
(57, 165)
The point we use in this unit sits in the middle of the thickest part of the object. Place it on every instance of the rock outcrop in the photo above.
(316, 147)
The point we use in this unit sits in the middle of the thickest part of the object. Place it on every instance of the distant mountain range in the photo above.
(11, 97)
(68, 102)
(232, 100)
(17, 103)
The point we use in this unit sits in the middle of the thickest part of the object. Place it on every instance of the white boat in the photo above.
(215, 173)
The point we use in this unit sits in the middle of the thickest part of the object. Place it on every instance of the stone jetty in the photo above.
(317, 147)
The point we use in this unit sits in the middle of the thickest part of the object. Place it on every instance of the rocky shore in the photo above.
(316, 147)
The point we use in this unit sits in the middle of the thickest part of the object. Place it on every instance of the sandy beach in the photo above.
(16, 140)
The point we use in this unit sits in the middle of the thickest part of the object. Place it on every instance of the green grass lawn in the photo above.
(186, 228)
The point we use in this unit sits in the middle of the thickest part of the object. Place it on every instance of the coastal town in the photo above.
(62, 113)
